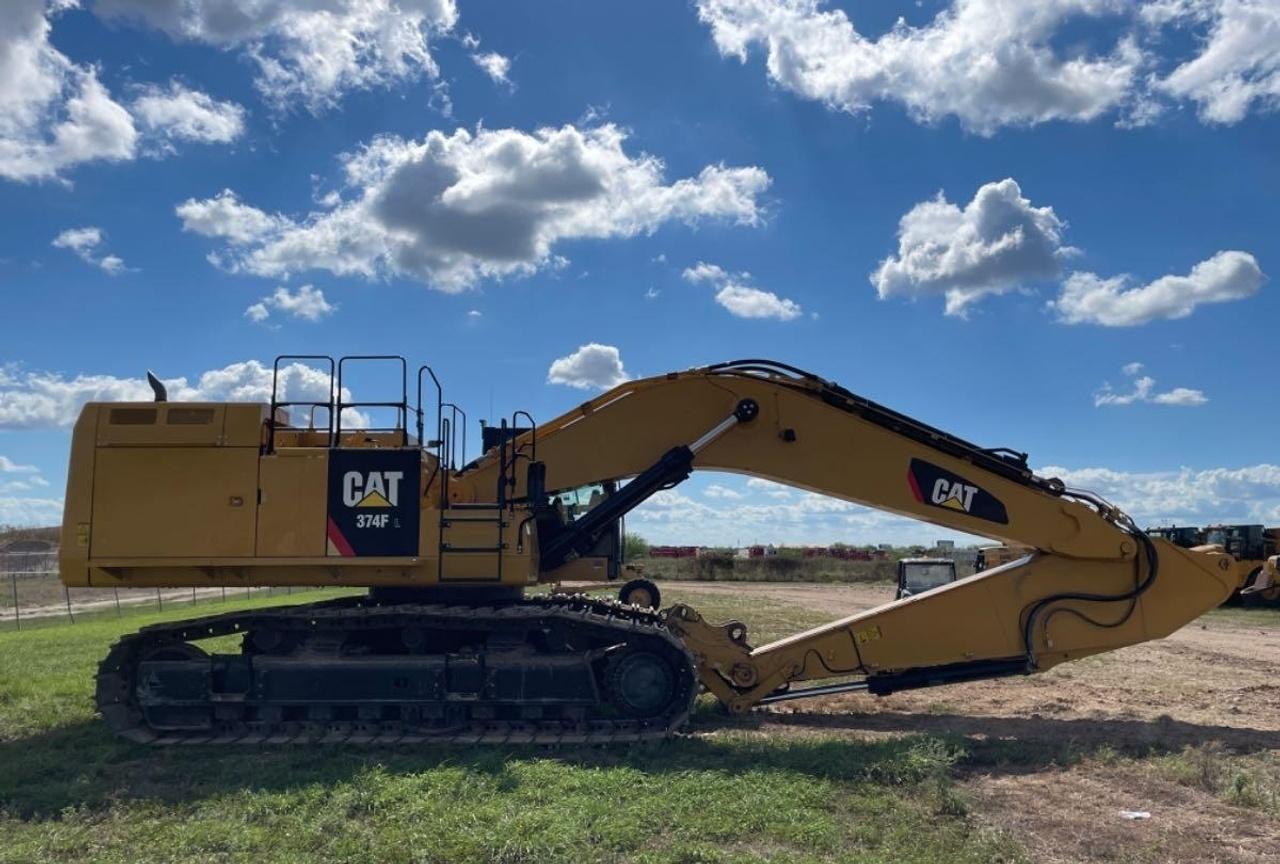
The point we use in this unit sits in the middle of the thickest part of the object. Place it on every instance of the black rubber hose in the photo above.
(1140, 587)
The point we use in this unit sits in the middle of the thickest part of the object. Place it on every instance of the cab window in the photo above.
(575, 503)
(924, 577)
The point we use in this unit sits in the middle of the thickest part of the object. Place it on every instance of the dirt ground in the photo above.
(1066, 746)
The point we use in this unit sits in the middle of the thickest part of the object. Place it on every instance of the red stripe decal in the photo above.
(340, 543)
(915, 487)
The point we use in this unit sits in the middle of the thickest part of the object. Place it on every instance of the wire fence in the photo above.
(32, 595)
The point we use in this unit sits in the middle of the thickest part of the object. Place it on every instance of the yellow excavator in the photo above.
(449, 644)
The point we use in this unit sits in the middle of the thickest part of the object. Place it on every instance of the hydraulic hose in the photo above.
(1141, 585)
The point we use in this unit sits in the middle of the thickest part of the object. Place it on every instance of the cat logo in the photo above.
(936, 486)
(957, 496)
(374, 489)
(373, 502)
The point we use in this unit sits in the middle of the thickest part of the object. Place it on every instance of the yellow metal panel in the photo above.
(466, 534)
(171, 424)
(174, 501)
(243, 424)
(291, 509)
(77, 510)
(291, 512)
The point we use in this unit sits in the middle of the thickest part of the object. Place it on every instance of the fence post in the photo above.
(17, 616)
(224, 593)
(117, 591)
(193, 596)
(159, 601)
(66, 591)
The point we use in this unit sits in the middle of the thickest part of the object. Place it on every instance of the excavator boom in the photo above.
(1094, 582)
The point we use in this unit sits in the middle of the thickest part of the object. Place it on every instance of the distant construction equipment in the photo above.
(1251, 545)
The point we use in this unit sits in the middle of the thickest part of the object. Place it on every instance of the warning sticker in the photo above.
(373, 502)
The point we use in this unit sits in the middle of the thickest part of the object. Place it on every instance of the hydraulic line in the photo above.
(1141, 585)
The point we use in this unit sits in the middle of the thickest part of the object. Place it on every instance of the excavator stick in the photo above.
(1017, 619)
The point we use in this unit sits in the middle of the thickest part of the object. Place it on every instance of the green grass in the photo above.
(1251, 780)
(776, 568)
(1244, 616)
(69, 791)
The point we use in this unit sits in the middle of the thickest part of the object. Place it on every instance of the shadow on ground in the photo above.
(1025, 744)
(83, 765)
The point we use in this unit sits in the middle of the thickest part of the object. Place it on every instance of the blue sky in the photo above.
(983, 215)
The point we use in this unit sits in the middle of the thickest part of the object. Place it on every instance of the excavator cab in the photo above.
(918, 575)
(1185, 537)
(1242, 541)
(571, 505)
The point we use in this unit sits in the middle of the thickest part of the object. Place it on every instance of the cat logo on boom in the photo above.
(372, 489)
(938, 487)
(957, 496)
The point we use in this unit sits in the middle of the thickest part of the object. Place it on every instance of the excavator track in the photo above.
(539, 670)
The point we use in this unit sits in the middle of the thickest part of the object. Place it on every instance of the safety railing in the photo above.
(401, 407)
(278, 403)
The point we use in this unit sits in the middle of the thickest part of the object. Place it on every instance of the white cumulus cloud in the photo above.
(671, 516)
(223, 216)
(1144, 391)
(998, 242)
(997, 63)
(54, 114)
(451, 210)
(742, 299)
(33, 400)
(17, 479)
(591, 366)
(307, 303)
(308, 52)
(85, 244)
(1249, 494)
(1238, 67)
(1183, 496)
(8, 466)
(769, 487)
(179, 113)
(1087, 298)
(989, 63)
(25, 510)
(495, 65)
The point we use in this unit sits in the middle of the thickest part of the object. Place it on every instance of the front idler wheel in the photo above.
(641, 683)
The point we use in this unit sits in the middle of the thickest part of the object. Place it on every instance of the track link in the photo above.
(527, 640)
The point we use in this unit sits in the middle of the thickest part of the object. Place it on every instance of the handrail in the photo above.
(438, 442)
(516, 451)
(278, 403)
(456, 411)
(402, 406)
(533, 432)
